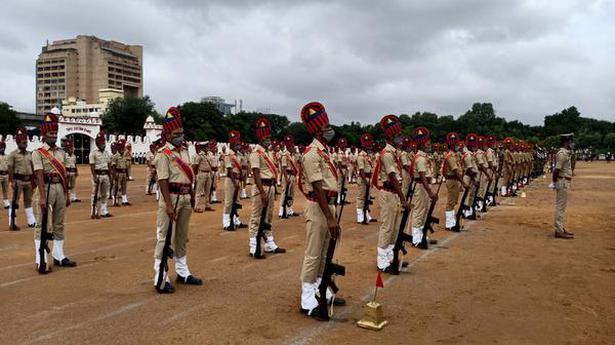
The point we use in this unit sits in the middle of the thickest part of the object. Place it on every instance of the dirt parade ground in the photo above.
(505, 280)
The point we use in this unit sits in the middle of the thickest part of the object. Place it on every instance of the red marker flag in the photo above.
(379, 282)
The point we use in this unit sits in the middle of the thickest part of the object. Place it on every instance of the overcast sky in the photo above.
(361, 58)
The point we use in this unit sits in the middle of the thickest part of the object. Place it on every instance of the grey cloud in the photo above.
(361, 58)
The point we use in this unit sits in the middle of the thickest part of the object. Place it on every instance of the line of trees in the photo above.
(203, 121)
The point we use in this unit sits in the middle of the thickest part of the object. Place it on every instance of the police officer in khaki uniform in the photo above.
(214, 158)
(318, 181)
(492, 161)
(232, 181)
(508, 168)
(453, 172)
(71, 169)
(21, 177)
(4, 176)
(472, 174)
(289, 177)
(423, 172)
(485, 174)
(150, 176)
(387, 178)
(100, 167)
(562, 176)
(175, 178)
(202, 166)
(120, 164)
(51, 178)
(265, 176)
(365, 166)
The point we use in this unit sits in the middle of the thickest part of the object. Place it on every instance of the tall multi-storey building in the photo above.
(79, 67)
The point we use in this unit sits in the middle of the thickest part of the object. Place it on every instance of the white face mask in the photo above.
(329, 135)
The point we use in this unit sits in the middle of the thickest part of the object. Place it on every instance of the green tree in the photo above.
(127, 115)
(568, 120)
(8, 119)
(203, 121)
(609, 141)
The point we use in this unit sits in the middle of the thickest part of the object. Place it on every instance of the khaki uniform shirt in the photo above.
(258, 160)
(509, 161)
(469, 162)
(481, 160)
(168, 170)
(389, 164)
(491, 158)
(149, 158)
(318, 168)
(21, 163)
(422, 164)
(231, 161)
(4, 163)
(100, 159)
(119, 162)
(203, 162)
(451, 163)
(364, 162)
(41, 163)
(70, 160)
(563, 162)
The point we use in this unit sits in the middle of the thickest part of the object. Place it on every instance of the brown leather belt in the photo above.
(24, 178)
(52, 178)
(121, 171)
(180, 188)
(4, 172)
(331, 197)
(101, 171)
(204, 171)
(71, 170)
(267, 182)
(214, 168)
(452, 177)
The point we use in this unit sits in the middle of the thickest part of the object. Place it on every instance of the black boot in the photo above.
(166, 288)
(189, 280)
(66, 262)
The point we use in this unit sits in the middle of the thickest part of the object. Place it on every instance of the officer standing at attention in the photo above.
(71, 169)
(318, 181)
(51, 180)
(265, 176)
(422, 173)
(175, 178)
(20, 176)
(4, 176)
(100, 166)
(387, 178)
(562, 176)
(453, 172)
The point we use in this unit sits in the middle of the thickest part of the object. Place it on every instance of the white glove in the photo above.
(552, 185)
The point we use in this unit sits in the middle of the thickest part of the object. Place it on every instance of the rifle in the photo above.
(167, 252)
(429, 221)
(368, 201)
(45, 236)
(234, 207)
(462, 207)
(287, 200)
(14, 207)
(330, 270)
(95, 199)
(401, 235)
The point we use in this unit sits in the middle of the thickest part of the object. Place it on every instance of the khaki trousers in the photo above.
(103, 190)
(56, 201)
(180, 228)
(317, 238)
(203, 187)
(390, 215)
(482, 188)
(4, 183)
(361, 193)
(121, 180)
(561, 200)
(420, 206)
(229, 189)
(470, 199)
(25, 189)
(453, 187)
(72, 182)
(257, 209)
